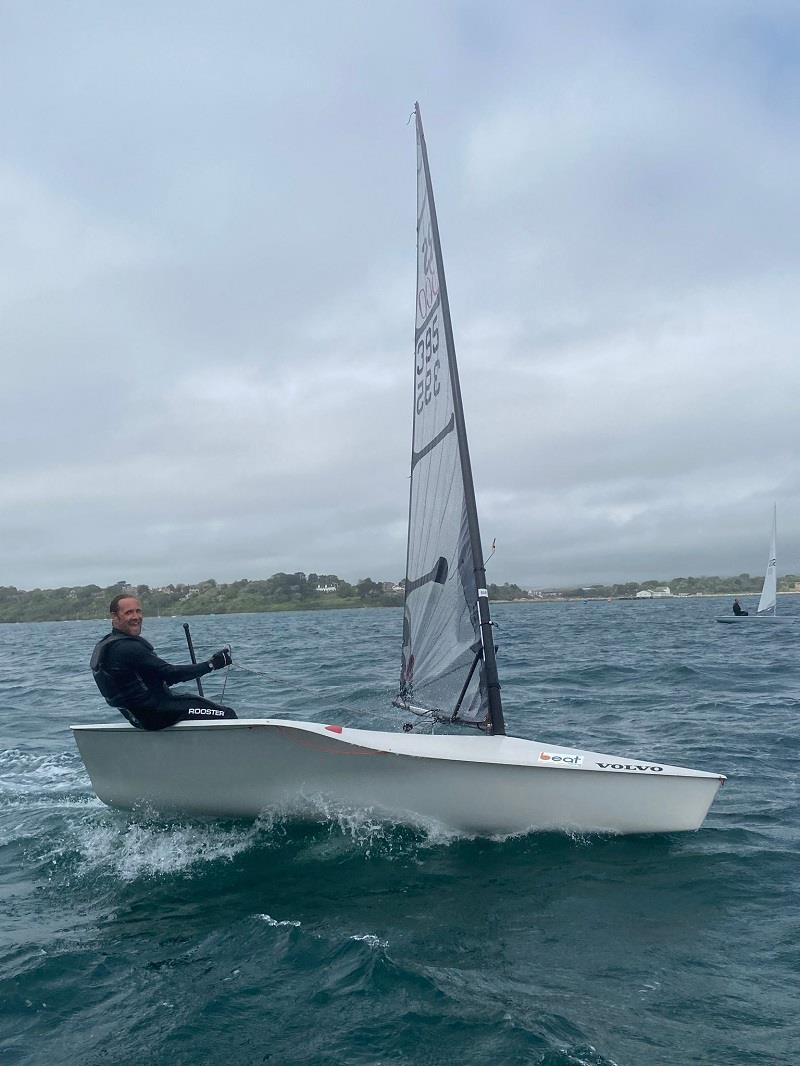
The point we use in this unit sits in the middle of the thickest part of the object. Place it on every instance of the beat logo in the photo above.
(561, 760)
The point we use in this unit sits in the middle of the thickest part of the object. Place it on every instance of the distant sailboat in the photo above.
(486, 782)
(768, 603)
(769, 593)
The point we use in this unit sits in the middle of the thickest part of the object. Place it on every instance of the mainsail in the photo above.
(448, 665)
(769, 592)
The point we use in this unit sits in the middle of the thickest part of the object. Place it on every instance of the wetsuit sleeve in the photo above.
(139, 658)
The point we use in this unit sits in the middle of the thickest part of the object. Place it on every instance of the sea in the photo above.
(126, 939)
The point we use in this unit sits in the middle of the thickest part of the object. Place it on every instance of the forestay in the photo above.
(448, 653)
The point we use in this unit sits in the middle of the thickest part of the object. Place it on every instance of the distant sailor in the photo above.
(133, 679)
(737, 608)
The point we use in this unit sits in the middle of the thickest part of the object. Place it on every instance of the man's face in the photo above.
(128, 616)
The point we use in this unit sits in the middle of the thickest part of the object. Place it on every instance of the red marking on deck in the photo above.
(334, 728)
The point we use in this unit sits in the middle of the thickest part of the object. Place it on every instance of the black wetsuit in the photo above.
(737, 609)
(136, 682)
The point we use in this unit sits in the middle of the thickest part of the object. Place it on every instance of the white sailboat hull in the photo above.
(729, 619)
(477, 785)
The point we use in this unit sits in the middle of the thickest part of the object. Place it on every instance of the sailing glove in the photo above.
(220, 659)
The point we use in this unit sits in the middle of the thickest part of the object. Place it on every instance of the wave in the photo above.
(138, 850)
(28, 773)
(91, 841)
(277, 924)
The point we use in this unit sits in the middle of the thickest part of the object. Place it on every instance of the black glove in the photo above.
(220, 659)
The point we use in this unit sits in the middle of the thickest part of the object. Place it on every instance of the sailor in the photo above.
(133, 679)
(737, 608)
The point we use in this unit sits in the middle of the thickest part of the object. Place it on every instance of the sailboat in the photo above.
(768, 601)
(479, 781)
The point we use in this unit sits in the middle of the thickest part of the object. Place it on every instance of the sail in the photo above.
(769, 592)
(448, 662)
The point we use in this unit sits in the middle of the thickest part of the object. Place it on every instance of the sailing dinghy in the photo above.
(481, 782)
(768, 601)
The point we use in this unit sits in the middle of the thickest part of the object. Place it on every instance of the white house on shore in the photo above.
(649, 594)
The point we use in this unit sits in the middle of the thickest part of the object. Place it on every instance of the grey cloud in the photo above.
(206, 285)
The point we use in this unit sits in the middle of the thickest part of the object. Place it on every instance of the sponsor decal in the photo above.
(209, 712)
(640, 767)
(560, 758)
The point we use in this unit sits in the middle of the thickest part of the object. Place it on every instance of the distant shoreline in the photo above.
(307, 608)
(642, 599)
(325, 592)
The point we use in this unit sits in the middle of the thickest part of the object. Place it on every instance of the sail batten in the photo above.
(417, 456)
(421, 329)
(448, 652)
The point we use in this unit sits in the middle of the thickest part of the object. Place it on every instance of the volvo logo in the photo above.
(643, 767)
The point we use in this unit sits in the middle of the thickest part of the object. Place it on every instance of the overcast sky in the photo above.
(207, 257)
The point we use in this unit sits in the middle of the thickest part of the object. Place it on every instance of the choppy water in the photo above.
(127, 941)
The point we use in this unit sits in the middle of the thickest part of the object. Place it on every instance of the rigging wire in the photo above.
(229, 650)
(491, 553)
(259, 673)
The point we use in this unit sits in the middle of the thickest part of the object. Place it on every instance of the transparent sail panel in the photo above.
(441, 630)
(769, 593)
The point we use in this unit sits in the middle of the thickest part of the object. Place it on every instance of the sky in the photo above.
(207, 257)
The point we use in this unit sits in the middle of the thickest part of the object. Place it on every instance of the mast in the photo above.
(496, 720)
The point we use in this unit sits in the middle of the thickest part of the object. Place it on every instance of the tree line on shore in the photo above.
(281, 592)
(300, 592)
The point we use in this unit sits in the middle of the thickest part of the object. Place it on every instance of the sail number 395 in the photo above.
(427, 366)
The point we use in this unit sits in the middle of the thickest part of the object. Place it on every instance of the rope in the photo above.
(227, 668)
(259, 673)
(247, 670)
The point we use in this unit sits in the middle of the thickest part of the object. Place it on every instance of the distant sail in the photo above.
(769, 593)
(444, 666)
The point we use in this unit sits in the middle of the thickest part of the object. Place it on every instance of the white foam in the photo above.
(274, 921)
(372, 940)
(129, 847)
(372, 830)
(139, 850)
(26, 773)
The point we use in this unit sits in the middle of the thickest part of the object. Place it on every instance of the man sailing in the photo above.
(133, 679)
